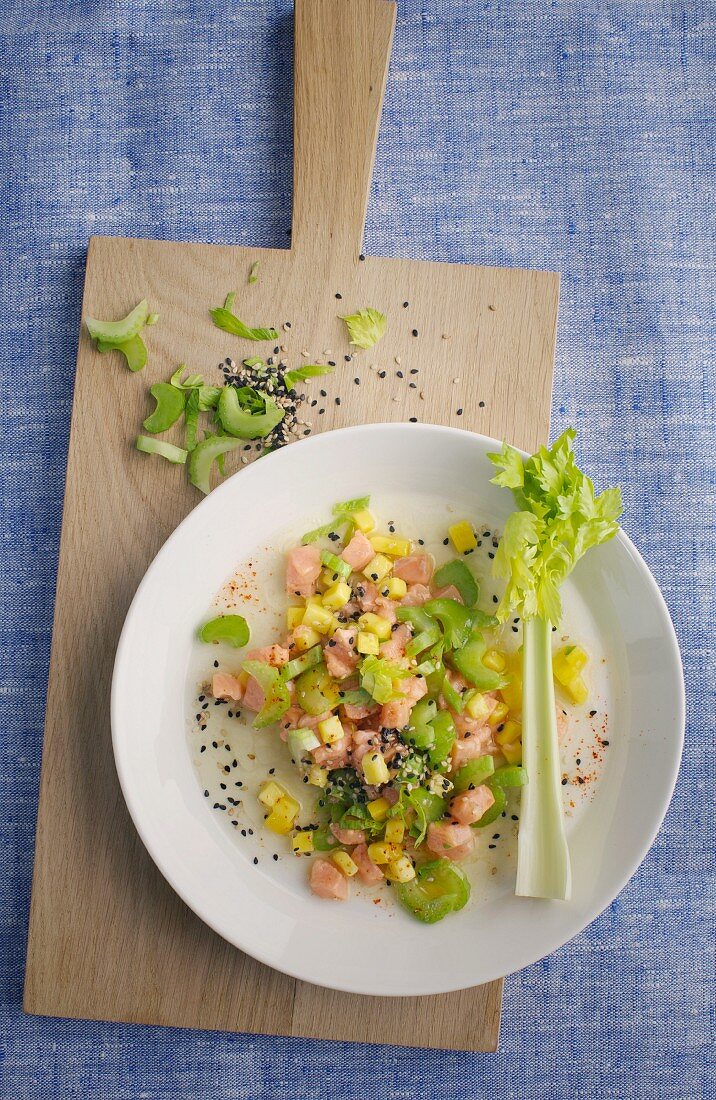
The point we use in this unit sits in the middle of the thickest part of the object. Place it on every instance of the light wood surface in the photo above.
(108, 937)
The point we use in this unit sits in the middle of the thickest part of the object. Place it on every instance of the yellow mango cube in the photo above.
(318, 618)
(400, 870)
(512, 753)
(494, 660)
(394, 831)
(512, 693)
(317, 776)
(283, 815)
(294, 616)
(337, 596)
(364, 520)
(378, 808)
(568, 662)
(378, 568)
(269, 793)
(375, 624)
(395, 548)
(375, 769)
(381, 852)
(304, 637)
(510, 732)
(396, 588)
(477, 706)
(330, 730)
(462, 536)
(367, 643)
(344, 863)
(577, 690)
(302, 842)
(499, 713)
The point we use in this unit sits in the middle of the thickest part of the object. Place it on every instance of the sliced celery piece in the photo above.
(204, 455)
(170, 405)
(117, 332)
(232, 629)
(134, 351)
(151, 446)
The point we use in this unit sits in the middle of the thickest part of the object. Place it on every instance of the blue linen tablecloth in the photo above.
(572, 136)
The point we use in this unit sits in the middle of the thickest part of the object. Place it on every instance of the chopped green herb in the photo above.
(152, 319)
(191, 420)
(255, 361)
(229, 300)
(192, 382)
(253, 274)
(345, 507)
(365, 327)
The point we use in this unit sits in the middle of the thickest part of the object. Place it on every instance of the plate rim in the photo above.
(134, 806)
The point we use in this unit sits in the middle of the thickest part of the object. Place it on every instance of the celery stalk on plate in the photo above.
(558, 519)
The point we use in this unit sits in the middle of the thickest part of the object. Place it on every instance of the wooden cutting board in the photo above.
(108, 937)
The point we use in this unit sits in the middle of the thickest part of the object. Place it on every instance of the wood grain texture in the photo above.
(108, 937)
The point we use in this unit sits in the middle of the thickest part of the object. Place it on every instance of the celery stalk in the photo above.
(543, 868)
(559, 518)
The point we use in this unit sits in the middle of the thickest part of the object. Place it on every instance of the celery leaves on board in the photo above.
(365, 327)
(300, 374)
(229, 322)
(559, 517)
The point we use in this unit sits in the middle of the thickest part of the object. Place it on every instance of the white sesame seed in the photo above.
(395, 399)
(446, 336)
(455, 381)
(398, 360)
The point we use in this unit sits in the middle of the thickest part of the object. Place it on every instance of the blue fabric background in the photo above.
(576, 136)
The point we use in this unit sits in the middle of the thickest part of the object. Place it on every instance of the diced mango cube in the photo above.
(330, 730)
(577, 689)
(304, 637)
(283, 815)
(367, 643)
(494, 660)
(364, 520)
(462, 536)
(375, 769)
(568, 662)
(318, 776)
(337, 596)
(378, 808)
(395, 548)
(396, 588)
(344, 863)
(294, 616)
(375, 624)
(499, 713)
(510, 732)
(512, 753)
(318, 618)
(378, 568)
(477, 706)
(270, 792)
(394, 831)
(400, 870)
(382, 852)
(302, 842)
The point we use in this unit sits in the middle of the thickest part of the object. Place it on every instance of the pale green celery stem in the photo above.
(543, 869)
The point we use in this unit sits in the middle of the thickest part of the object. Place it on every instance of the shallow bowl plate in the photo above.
(267, 910)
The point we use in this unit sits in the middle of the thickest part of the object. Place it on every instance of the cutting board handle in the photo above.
(342, 48)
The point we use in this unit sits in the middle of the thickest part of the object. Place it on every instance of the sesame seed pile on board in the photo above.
(269, 380)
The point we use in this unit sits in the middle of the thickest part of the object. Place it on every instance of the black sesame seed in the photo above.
(491, 845)
(564, 782)
(405, 305)
(413, 420)
(338, 401)
(381, 374)
(223, 786)
(275, 857)
(339, 296)
(362, 256)
(399, 374)
(357, 381)
(347, 358)
(605, 742)
(514, 817)
(412, 386)
(592, 713)
(216, 664)
(446, 542)
(415, 332)
(206, 794)
(256, 859)
(459, 412)
(276, 350)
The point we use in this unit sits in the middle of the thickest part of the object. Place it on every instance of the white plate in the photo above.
(267, 910)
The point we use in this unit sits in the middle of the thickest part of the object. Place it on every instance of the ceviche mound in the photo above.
(407, 721)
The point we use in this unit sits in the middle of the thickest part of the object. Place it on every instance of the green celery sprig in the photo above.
(559, 518)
